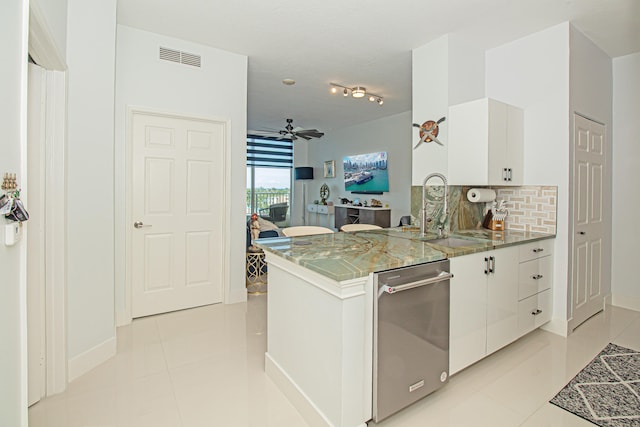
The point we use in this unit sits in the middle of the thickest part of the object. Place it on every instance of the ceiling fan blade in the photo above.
(303, 136)
(441, 120)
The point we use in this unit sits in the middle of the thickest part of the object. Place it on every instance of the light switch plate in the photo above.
(12, 233)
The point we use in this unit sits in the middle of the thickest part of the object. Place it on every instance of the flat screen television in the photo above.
(366, 173)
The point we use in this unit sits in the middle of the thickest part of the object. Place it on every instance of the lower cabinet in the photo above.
(484, 305)
(535, 273)
(497, 297)
(534, 311)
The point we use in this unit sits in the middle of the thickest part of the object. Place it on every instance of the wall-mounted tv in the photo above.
(366, 173)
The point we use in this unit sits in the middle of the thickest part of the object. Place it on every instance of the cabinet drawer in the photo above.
(323, 209)
(312, 208)
(534, 312)
(534, 276)
(537, 249)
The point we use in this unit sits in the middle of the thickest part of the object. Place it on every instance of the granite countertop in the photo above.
(343, 256)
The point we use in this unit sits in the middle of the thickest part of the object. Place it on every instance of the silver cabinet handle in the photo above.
(505, 174)
(443, 275)
(536, 312)
(490, 267)
(139, 224)
(537, 277)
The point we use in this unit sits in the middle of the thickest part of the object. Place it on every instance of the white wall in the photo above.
(447, 71)
(591, 94)
(533, 73)
(430, 101)
(217, 90)
(13, 84)
(390, 134)
(626, 176)
(90, 208)
(54, 13)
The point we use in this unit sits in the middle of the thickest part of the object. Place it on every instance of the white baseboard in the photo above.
(626, 301)
(311, 414)
(557, 326)
(83, 363)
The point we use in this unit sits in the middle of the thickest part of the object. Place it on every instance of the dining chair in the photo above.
(305, 230)
(359, 227)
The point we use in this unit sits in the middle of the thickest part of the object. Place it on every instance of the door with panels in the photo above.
(177, 205)
(589, 165)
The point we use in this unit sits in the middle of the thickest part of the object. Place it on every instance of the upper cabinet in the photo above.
(486, 143)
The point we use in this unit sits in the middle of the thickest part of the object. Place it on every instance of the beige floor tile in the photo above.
(205, 367)
(549, 415)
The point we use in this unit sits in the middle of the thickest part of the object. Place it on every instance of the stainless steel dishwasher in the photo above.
(411, 335)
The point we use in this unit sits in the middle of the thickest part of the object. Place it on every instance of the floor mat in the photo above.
(607, 391)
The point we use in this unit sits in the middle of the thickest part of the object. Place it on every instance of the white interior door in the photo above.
(588, 231)
(35, 227)
(177, 206)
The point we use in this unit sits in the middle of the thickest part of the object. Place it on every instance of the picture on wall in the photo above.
(366, 173)
(330, 169)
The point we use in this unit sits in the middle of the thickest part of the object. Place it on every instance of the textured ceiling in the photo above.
(360, 42)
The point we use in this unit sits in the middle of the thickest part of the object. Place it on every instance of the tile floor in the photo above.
(205, 367)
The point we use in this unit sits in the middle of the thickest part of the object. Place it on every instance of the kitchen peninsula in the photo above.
(320, 311)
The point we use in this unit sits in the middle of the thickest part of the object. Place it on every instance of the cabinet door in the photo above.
(341, 216)
(502, 299)
(515, 145)
(468, 157)
(497, 140)
(534, 311)
(534, 276)
(468, 314)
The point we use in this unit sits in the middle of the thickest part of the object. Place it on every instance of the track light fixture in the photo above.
(357, 92)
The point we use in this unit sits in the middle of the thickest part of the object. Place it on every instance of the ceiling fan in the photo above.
(294, 133)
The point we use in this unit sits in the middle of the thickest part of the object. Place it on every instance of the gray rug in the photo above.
(607, 391)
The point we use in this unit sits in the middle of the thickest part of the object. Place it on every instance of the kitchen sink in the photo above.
(452, 242)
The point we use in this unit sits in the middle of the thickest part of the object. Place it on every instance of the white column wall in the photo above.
(591, 94)
(218, 90)
(13, 85)
(430, 101)
(90, 196)
(625, 289)
(533, 73)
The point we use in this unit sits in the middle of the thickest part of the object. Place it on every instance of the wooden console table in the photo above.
(347, 214)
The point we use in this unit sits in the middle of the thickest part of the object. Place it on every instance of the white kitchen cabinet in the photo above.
(484, 305)
(535, 279)
(486, 143)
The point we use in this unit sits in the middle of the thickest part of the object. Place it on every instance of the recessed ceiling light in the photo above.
(288, 82)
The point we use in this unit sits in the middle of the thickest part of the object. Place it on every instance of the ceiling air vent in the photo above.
(186, 58)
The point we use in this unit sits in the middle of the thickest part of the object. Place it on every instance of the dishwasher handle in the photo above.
(444, 275)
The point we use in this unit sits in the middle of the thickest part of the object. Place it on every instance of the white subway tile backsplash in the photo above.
(531, 208)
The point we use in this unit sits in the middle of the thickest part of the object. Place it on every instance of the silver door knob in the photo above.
(139, 224)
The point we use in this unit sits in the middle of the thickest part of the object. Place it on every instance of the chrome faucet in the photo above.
(424, 220)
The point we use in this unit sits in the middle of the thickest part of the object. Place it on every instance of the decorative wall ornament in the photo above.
(429, 131)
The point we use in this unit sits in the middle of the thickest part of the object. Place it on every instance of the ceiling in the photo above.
(360, 42)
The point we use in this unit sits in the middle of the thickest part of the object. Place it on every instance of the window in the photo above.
(269, 165)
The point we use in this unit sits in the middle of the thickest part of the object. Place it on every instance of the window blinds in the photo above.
(268, 152)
